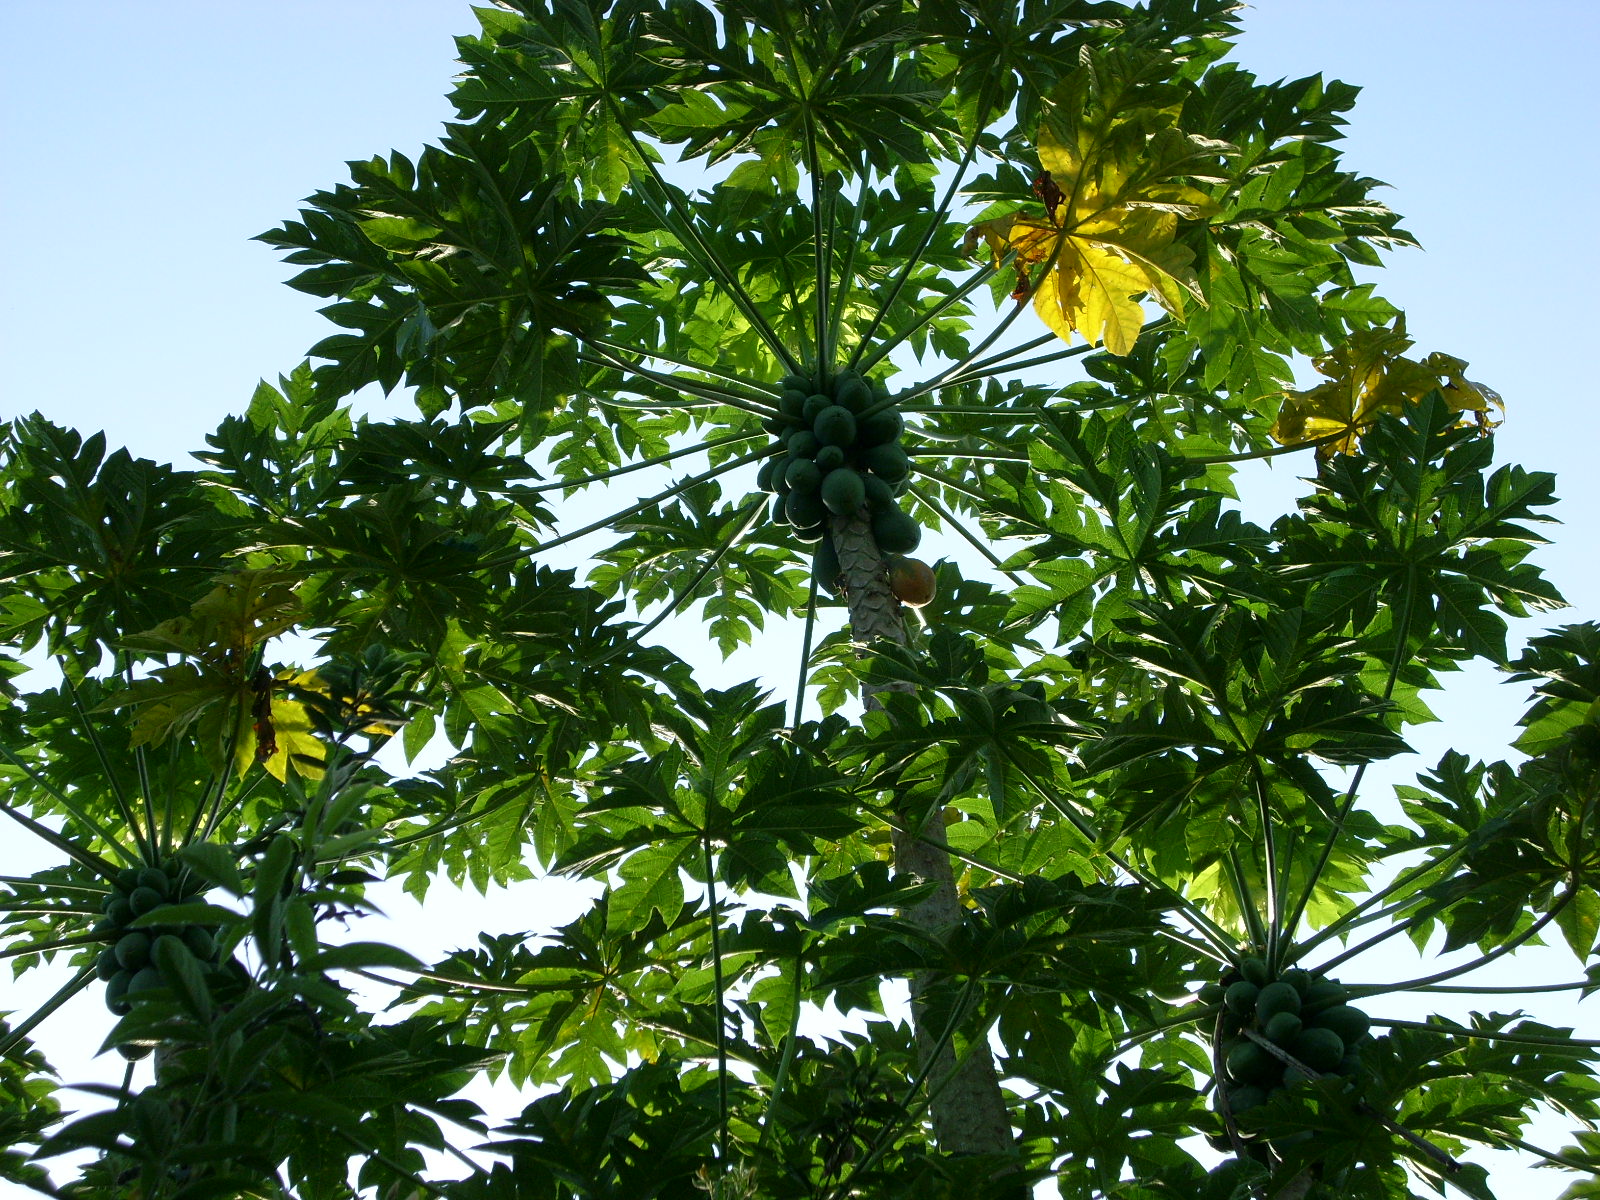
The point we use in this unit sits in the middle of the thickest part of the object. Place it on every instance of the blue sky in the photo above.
(144, 144)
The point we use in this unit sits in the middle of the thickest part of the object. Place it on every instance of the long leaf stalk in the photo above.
(113, 785)
(745, 388)
(379, 1156)
(805, 652)
(1208, 929)
(954, 485)
(682, 226)
(1488, 1035)
(1004, 365)
(841, 297)
(65, 992)
(141, 766)
(524, 552)
(935, 223)
(709, 397)
(977, 543)
(714, 916)
(1336, 829)
(1271, 868)
(791, 1046)
(995, 416)
(66, 943)
(1361, 914)
(911, 1107)
(1476, 964)
(900, 336)
(70, 806)
(1145, 1032)
(68, 847)
(1234, 871)
(1516, 989)
(687, 591)
(1550, 1156)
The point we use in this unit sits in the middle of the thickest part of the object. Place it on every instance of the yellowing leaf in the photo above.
(1368, 375)
(242, 611)
(1105, 242)
(234, 710)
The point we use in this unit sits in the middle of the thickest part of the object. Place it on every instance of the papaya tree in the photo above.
(1054, 867)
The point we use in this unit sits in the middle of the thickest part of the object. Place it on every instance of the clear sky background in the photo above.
(143, 144)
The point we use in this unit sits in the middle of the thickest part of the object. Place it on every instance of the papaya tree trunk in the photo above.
(968, 1108)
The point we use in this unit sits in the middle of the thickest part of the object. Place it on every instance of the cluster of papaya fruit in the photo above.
(128, 964)
(838, 448)
(1304, 1016)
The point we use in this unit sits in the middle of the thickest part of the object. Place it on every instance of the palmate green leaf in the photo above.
(844, 84)
(485, 272)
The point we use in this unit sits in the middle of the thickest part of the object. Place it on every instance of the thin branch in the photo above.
(687, 591)
(718, 989)
(1336, 829)
(70, 848)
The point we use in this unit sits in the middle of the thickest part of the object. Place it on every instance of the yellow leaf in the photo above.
(1369, 375)
(1112, 198)
(232, 708)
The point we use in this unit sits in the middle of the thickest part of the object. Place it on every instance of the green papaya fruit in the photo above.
(879, 494)
(1282, 1028)
(804, 509)
(802, 443)
(1350, 1023)
(1246, 1096)
(1275, 998)
(895, 532)
(145, 980)
(834, 426)
(825, 566)
(1241, 998)
(852, 392)
(133, 949)
(879, 428)
(802, 475)
(1319, 1049)
(117, 992)
(1250, 1063)
(888, 461)
(201, 943)
(843, 492)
